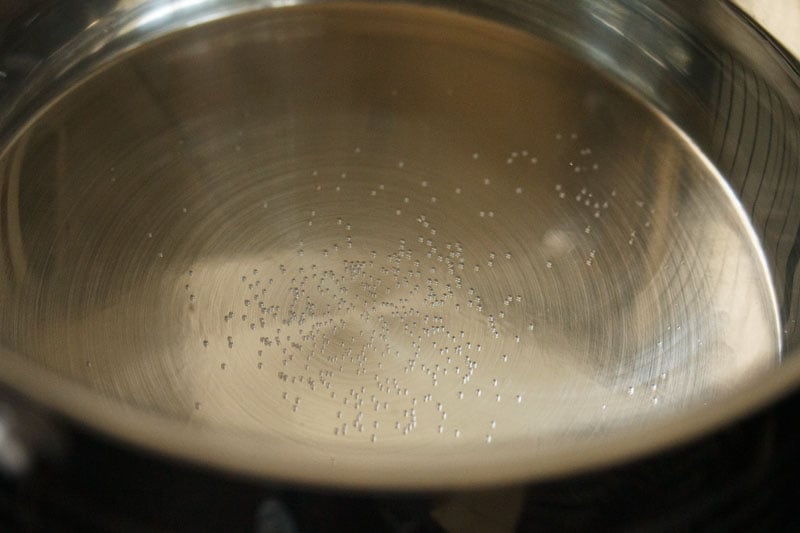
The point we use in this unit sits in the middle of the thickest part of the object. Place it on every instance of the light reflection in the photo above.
(167, 10)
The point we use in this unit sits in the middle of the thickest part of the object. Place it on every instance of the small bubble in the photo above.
(457, 433)
(197, 405)
(518, 190)
(475, 155)
(631, 390)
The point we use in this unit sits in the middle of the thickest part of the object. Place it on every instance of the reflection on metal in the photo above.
(396, 246)
(14, 457)
(164, 10)
(13, 237)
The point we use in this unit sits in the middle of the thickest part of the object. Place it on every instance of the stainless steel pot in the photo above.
(394, 245)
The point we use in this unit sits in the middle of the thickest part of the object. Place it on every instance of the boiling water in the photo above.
(376, 230)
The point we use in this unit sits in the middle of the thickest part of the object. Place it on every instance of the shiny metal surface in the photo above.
(387, 245)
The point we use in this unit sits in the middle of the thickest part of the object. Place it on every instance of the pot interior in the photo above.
(389, 234)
